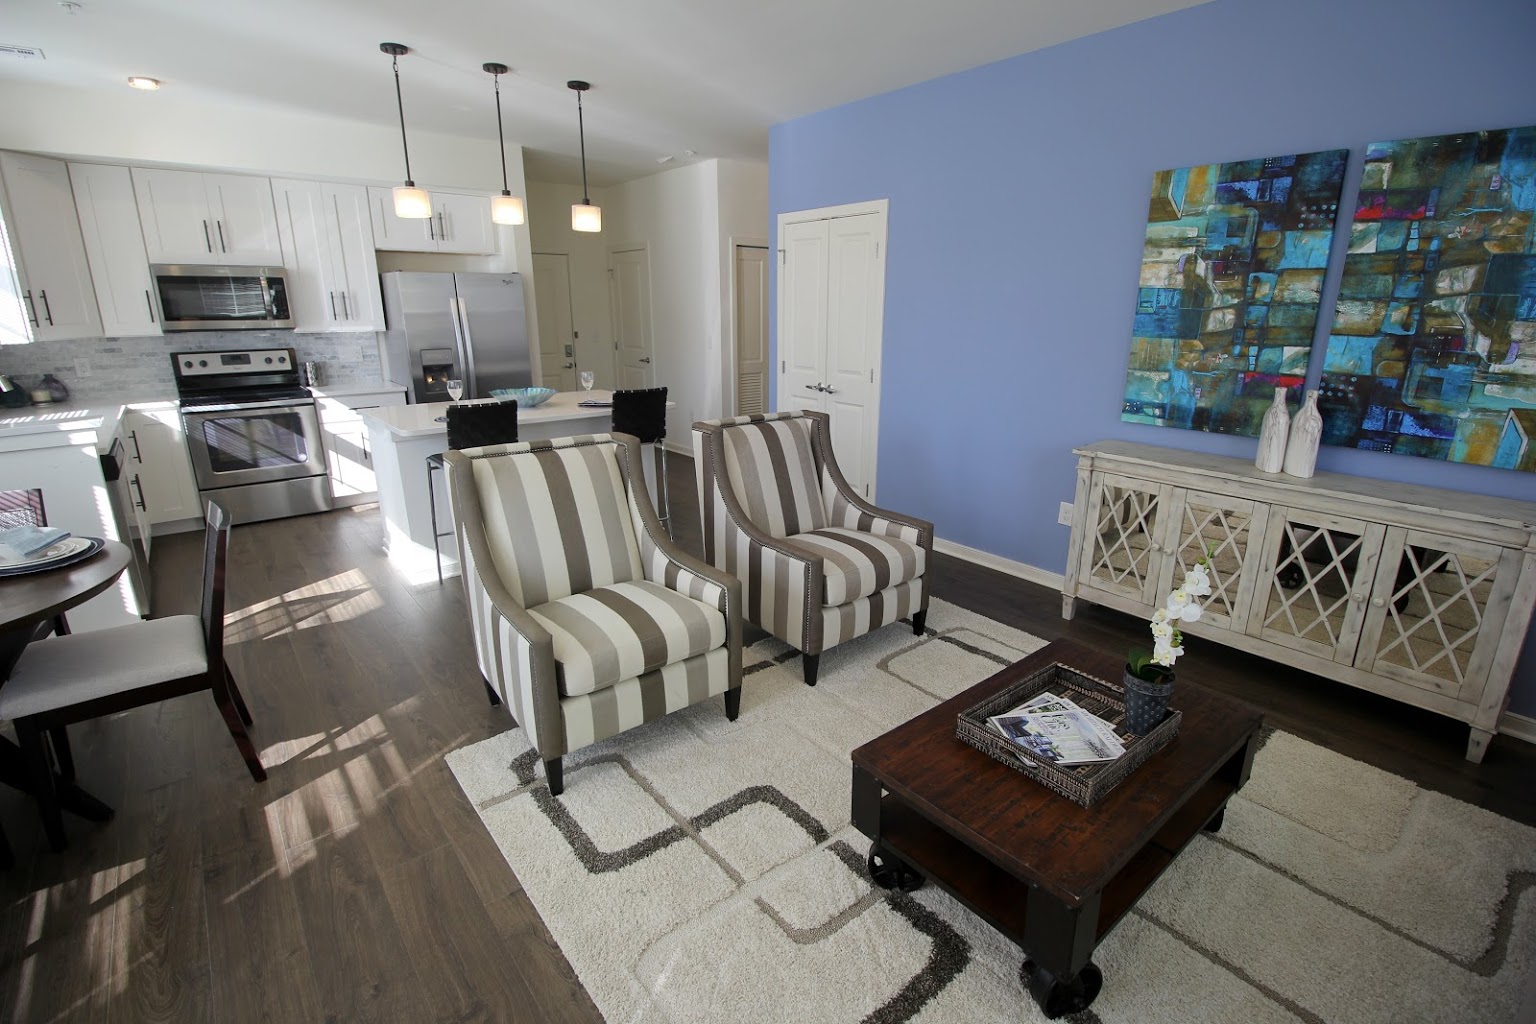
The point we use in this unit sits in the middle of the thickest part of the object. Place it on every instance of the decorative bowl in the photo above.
(526, 398)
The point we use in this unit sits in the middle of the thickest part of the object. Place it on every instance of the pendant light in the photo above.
(584, 216)
(410, 202)
(505, 208)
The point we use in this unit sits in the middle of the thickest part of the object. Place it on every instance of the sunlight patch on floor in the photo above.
(340, 598)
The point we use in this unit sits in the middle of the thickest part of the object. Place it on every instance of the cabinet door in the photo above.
(1228, 533)
(114, 246)
(463, 223)
(1436, 609)
(45, 236)
(1317, 573)
(157, 449)
(173, 210)
(244, 221)
(357, 270)
(351, 463)
(1123, 553)
(400, 234)
(303, 226)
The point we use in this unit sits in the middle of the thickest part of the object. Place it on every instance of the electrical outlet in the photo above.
(82, 367)
(1064, 514)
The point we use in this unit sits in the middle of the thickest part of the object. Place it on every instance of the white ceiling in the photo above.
(667, 75)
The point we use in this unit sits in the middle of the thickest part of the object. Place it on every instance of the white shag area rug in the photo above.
(700, 870)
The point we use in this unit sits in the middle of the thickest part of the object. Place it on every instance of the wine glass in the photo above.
(586, 378)
(455, 389)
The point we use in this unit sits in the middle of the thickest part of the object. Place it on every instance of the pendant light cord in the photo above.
(501, 138)
(581, 127)
(400, 105)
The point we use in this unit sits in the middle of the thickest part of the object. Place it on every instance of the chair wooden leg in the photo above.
(7, 858)
(237, 697)
(554, 776)
(237, 730)
(491, 692)
(59, 737)
(919, 622)
(732, 703)
(811, 663)
(35, 753)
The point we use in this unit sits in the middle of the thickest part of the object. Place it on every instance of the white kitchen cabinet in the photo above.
(114, 246)
(161, 479)
(347, 453)
(47, 275)
(193, 217)
(327, 239)
(460, 223)
(1418, 594)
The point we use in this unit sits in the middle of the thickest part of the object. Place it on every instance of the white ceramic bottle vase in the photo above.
(1306, 435)
(1272, 435)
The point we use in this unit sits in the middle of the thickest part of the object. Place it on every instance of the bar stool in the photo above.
(469, 426)
(643, 413)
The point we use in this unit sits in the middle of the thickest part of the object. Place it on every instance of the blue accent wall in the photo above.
(1018, 201)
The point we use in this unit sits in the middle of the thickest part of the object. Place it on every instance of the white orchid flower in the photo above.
(1161, 615)
(1162, 630)
(1197, 582)
(1190, 613)
(1176, 601)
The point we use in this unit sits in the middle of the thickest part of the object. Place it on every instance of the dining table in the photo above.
(26, 602)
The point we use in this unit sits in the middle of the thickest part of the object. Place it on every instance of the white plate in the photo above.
(63, 549)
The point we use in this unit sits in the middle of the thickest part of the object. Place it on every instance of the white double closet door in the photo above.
(831, 311)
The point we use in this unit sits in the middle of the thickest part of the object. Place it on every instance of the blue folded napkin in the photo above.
(27, 541)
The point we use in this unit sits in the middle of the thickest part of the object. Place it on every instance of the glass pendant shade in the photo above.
(586, 218)
(412, 203)
(507, 209)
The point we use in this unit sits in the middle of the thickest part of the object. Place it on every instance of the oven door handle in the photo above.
(277, 403)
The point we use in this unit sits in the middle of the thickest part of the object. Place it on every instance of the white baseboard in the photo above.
(1518, 726)
(1023, 570)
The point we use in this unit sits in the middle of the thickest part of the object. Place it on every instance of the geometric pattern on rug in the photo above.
(699, 870)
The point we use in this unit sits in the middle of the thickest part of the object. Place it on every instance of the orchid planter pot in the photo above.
(1146, 703)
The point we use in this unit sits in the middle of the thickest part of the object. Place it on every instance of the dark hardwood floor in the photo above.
(357, 883)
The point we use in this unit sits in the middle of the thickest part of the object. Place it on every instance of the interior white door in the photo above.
(629, 277)
(803, 315)
(831, 303)
(557, 343)
(751, 329)
(855, 299)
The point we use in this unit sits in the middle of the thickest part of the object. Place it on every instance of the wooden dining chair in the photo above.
(69, 679)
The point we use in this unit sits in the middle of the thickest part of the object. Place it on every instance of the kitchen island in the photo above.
(401, 437)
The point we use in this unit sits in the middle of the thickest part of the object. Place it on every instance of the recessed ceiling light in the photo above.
(143, 82)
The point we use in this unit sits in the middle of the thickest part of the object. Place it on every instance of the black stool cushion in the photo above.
(642, 412)
(470, 426)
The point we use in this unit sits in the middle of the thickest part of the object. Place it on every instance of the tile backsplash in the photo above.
(108, 367)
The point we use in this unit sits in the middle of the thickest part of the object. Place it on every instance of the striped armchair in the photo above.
(819, 564)
(587, 620)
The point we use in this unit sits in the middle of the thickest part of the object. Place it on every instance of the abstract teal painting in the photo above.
(1433, 347)
(1231, 278)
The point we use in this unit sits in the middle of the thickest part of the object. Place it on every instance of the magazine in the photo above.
(1055, 729)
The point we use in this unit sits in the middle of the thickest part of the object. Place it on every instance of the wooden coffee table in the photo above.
(1050, 875)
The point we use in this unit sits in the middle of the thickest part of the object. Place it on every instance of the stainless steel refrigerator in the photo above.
(440, 326)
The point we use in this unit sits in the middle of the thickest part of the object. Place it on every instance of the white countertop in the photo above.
(73, 422)
(412, 421)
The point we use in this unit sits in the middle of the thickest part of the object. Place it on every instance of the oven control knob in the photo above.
(281, 359)
(269, 359)
(187, 364)
(202, 362)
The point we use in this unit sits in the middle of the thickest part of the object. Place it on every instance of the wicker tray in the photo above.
(1085, 783)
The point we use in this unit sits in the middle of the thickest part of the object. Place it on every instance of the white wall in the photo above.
(549, 224)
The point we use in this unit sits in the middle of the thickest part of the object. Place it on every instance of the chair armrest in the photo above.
(848, 509)
(516, 654)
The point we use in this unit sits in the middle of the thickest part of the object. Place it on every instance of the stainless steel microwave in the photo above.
(209, 298)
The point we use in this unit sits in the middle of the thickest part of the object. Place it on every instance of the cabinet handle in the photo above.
(1154, 548)
(333, 305)
(442, 226)
(1378, 602)
(367, 455)
(207, 238)
(47, 309)
(150, 303)
(139, 484)
(432, 228)
(1357, 598)
(31, 308)
(220, 225)
(138, 456)
(346, 307)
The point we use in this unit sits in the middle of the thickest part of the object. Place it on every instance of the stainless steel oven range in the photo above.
(253, 433)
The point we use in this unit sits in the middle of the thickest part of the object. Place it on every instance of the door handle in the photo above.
(813, 387)
(643, 359)
(569, 366)
(207, 238)
(828, 390)
(150, 303)
(47, 309)
(220, 225)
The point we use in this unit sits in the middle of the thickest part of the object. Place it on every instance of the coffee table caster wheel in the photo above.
(889, 873)
(1056, 997)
